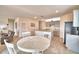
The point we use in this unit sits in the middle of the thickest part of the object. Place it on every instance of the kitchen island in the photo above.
(45, 33)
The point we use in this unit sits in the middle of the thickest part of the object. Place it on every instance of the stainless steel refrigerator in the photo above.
(69, 29)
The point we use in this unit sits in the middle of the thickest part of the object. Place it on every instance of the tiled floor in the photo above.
(56, 47)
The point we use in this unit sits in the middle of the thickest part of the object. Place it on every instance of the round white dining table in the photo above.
(33, 44)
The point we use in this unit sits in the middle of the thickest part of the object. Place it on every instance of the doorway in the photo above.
(11, 24)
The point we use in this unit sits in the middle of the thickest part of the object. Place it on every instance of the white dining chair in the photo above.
(48, 35)
(10, 47)
(25, 34)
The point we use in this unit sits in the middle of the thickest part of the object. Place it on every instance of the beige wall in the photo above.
(16, 24)
(11, 24)
(25, 24)
(65, 18)
(43, 25)
(3, 20)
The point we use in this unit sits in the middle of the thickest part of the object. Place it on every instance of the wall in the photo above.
(24, 25)
(43, 25)
(11, 24)
(3, 20)
(65, 18)
(16, 26)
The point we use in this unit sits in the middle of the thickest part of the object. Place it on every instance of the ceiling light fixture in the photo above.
(57, 11)
(48, 20)
(53, 19)
(35, 17)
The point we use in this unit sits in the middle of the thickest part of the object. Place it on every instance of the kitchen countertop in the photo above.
(46, 30)
(72, 34)
(72, 42)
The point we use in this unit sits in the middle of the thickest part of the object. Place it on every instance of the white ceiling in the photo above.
(45, 11)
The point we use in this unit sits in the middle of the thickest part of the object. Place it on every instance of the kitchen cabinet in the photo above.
(72, 42)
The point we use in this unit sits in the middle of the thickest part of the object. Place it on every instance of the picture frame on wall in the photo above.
(32, 25)
(16, 25)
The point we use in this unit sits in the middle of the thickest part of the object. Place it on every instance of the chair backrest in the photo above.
(25, 34)
(48, 35)
(10, 47)
(44, 34)
(37, 33)
(10, 36)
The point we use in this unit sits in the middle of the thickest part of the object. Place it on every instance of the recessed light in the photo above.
(48, 20)
(35, 17)
(53, 19)
(57, 11)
